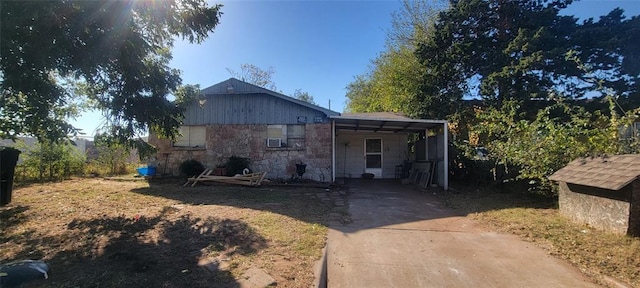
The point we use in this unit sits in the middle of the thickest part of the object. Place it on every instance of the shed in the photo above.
(603, 192)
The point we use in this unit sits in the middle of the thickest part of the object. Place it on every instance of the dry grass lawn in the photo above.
(101, 233)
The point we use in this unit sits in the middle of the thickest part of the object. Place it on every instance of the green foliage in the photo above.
(515, 50)
(187, 94)
(394, 78)
(236, 164)
(116, 53)
(304, 96)
(49, 161)
(191, 168)
(560, 133)
(112, 155)
(514, 57)
(390, 86)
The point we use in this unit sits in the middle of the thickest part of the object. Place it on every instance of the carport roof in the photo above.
(384, 122)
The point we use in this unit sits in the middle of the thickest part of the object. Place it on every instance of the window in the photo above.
(295, 136)
(291, 136)
(192, 136)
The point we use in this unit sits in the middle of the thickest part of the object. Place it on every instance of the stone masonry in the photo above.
(224, 141)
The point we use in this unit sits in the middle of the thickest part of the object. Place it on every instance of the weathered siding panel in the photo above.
(394, 151)
(248, 109)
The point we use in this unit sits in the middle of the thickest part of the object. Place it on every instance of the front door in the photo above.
(373, 156)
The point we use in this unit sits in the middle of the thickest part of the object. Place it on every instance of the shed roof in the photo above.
(235, 86)
(608, 172)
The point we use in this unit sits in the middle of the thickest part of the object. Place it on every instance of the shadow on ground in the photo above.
(306, 203)
(382, 203)
(125, 251)
(361, 197)
(467, 198)
(131, 252)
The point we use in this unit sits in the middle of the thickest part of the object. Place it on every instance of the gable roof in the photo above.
(235, 86)
(608, 172)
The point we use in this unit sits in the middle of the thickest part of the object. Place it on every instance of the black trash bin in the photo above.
(8, 161)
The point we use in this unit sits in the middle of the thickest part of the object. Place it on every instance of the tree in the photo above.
(516, 50)
(50, 160)
(304, 96)
(255, 75)
(112, 155)
(392, 83)
(116, 53)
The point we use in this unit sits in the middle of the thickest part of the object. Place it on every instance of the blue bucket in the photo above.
(147, 171)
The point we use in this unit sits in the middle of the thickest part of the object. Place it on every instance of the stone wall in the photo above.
(224, 141)
(601, 208)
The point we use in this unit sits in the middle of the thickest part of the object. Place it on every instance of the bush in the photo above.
(191, 167)
(236, 164)
(49, 161)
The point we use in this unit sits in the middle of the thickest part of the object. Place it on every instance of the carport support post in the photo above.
(426, 145)
(445, 167)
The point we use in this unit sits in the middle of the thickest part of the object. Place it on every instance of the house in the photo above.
(276, 132)
(603, 192)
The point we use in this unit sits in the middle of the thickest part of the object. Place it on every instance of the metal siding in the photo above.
(247, 109)
(240, 87)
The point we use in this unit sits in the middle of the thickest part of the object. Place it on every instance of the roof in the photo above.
(384, 122)
(377, 115)
(608, 172)
(235, 86)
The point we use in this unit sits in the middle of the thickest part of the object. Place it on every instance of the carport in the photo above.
(376, 143)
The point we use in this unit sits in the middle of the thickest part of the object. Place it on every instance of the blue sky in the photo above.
(316, 46)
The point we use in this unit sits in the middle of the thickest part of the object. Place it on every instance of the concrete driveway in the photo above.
(402, 237)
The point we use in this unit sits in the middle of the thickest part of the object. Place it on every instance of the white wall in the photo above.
(394, 151)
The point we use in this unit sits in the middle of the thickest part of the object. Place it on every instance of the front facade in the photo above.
(276, 132)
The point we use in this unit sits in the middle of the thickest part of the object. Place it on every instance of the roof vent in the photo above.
(230, 89)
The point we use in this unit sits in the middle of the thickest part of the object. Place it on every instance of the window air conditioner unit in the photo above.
(274, 142)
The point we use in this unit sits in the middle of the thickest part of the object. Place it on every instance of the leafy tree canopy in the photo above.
(517, 50)
(116, 53)
(393, 80)
(304, 96)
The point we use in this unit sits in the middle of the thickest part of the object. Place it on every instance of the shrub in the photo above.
(236, 164)
(114, 158)
(191, 168)
(49, 161)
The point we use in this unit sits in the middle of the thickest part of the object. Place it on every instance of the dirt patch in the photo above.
(100, 233)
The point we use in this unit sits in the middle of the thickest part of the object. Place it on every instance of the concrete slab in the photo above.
(256, 278)
(401, 237)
